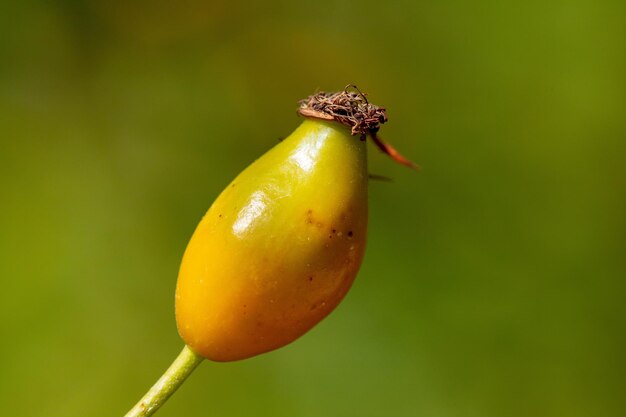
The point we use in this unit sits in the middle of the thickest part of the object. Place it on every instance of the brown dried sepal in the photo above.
(346, 107)
(353, 110)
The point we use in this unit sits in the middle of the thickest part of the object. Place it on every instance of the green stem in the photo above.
(173, 378)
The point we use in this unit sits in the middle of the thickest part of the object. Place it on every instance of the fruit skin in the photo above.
(279, 248)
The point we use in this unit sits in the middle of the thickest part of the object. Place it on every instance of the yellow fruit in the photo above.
(282, 244)
(279, 248)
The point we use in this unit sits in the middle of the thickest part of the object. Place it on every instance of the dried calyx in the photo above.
(351, 108)
(346, 107)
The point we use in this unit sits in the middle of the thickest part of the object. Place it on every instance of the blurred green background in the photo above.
(494, 279)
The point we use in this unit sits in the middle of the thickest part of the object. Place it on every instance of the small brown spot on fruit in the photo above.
(350, 233)
(310, 278)
(311, 220)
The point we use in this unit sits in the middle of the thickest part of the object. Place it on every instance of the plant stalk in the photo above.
(169, 382)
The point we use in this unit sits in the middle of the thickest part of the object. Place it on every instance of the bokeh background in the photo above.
(494, 279)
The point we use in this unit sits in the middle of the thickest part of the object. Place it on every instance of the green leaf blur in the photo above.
(493, 283)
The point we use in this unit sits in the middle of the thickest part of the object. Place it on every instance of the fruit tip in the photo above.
(355, 111)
